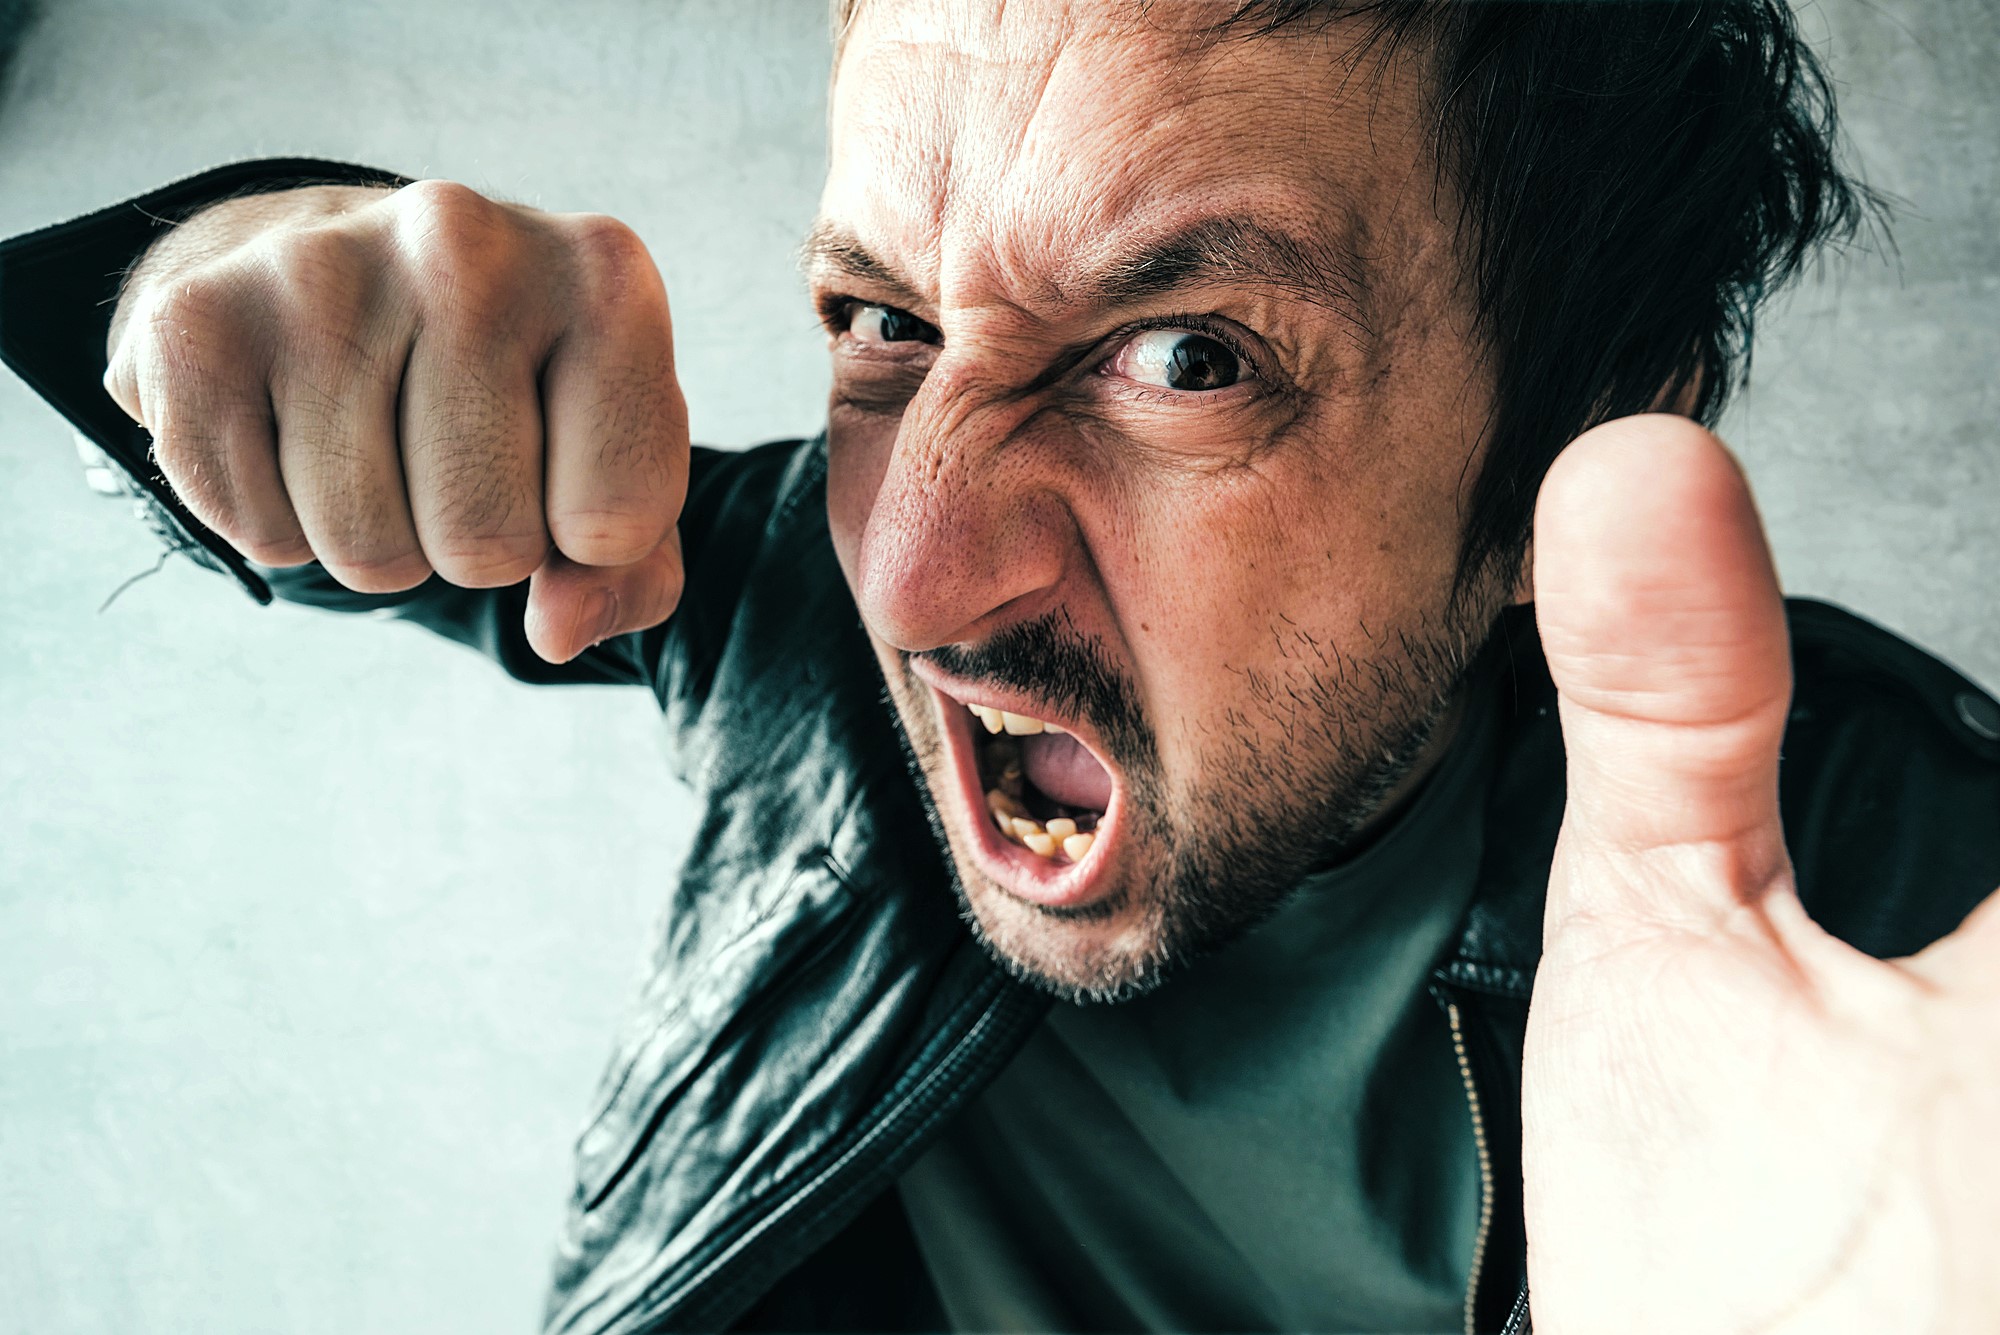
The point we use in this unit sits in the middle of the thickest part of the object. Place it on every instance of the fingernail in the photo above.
(602, 615)
(596, 618)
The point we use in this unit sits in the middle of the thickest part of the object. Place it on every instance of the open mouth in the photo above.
(1043, 803)
(1044, 789)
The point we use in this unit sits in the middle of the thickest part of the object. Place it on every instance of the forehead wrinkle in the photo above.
(1063, 199)
(995, 203)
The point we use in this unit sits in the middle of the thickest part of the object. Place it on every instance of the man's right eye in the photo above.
(886, 324)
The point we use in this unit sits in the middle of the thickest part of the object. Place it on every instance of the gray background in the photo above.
(313, 934)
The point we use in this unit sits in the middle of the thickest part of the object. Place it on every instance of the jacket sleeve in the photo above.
(58, 288)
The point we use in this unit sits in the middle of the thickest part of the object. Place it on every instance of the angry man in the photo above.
(1322, 861)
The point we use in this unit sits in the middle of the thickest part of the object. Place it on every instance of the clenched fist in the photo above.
(396, 383)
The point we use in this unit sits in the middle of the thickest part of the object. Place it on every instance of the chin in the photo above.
(1077, 858)
(1039, 822)
(1110, 950)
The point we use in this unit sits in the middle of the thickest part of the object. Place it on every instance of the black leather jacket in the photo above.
(815, 1009)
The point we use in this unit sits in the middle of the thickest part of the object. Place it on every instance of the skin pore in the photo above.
(1156, 403)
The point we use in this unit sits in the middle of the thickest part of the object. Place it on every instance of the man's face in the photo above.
(1155, 405)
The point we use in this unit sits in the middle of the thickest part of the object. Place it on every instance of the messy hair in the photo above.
(1633, 179)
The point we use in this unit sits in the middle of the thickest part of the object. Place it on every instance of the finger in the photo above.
(224, 467)
(121, 381)
(472, 453)
(336, 421)
(616, 423)
(1664, 628)
(572, 606)
(178, 371)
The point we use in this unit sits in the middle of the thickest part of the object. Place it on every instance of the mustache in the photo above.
(1046, 657)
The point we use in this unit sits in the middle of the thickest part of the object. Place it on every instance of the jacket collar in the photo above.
(1500, 939)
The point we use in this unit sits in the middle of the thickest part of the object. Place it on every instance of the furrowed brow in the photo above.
(829, 247)
(1236, 251)
(1214, 250)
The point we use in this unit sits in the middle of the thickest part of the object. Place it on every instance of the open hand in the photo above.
(1733, 1121)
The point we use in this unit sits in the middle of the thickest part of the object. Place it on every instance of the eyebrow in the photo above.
(1236, 250)
(830, 246)
(1228, 249)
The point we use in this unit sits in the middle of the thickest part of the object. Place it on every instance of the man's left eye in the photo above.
(1177, 359)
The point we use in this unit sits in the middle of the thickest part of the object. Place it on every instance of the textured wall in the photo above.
(312, 934)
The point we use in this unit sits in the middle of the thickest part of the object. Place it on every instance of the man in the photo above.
(1196, 373)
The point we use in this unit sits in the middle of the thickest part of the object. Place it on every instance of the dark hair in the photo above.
(1635, 177)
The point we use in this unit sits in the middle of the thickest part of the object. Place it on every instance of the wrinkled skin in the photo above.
(1715, 1088)
(1267, 567)
(1257, 571)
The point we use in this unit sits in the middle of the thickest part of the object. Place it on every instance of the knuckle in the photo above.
(635, 435)
(648, 432)
(606, 537)
(189, 325)
(312, 266)
(375, 571)
(121, 382)
(1669, 429)
(327, 284)
(190, 455)
(352, 515)
(490, 562)
(189, 357)
(488, 526)
(271, 546)
(467, 459)
(443, 211)
(613, 266)
(459, 247)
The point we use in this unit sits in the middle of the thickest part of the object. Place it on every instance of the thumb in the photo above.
(1660, 615)
(573, 606)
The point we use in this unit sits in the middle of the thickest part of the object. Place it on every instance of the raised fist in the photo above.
(396, 383)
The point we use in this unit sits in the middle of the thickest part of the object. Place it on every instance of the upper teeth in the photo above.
(1018, 725)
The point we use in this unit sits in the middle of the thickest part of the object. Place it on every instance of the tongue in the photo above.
(1064, 769)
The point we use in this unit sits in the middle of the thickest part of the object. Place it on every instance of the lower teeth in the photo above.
(1061, 838)
(1069, 836)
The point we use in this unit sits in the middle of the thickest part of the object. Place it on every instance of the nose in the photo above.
(964, 536)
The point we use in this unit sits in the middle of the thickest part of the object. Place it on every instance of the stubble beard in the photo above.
(1340, 730)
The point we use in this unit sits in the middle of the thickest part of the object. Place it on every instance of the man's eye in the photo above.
(1177, 359)
(884, 324)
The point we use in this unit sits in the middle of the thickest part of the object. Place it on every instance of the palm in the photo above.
(1733, 1122)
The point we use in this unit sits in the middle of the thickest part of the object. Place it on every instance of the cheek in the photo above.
(1230, 588)
(858, 446)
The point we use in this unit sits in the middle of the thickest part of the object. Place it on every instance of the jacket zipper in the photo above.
(1485, 1169)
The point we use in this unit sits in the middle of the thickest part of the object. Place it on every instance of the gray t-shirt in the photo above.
(1276, 1140)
